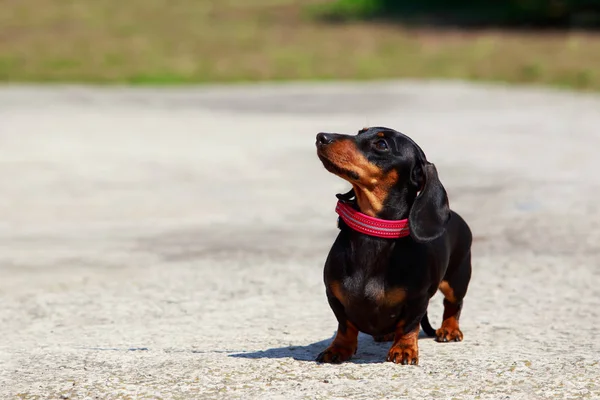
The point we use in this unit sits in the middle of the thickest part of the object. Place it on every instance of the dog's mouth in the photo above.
(335, 169)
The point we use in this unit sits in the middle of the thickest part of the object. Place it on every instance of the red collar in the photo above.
(372, 226)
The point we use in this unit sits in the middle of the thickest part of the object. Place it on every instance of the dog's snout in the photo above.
(324, 139)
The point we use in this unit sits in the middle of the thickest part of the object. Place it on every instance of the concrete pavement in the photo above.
(169, 243)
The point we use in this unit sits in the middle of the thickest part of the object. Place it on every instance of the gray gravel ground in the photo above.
(169, 243)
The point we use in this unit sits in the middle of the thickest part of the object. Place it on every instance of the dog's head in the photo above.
(390, 176)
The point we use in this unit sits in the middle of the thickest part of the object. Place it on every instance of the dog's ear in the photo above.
(430, 212)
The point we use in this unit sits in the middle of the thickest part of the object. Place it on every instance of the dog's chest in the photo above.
(369, 304)
(376, 292)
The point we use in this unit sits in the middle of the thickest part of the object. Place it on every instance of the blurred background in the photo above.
(169, 242)
(174, 42)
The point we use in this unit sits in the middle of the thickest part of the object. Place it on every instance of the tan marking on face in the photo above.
(380, 134)
(370, 199)
(336, 290)
(344, 154)
(373, 184)
(447, 291)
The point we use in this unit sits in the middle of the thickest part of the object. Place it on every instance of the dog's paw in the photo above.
(384, 338)
(403, 355)
(336, 354)
(448, 334)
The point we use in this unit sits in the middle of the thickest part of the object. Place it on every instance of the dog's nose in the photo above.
(324, 138)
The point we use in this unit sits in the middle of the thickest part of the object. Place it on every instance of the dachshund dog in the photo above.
(399, 243)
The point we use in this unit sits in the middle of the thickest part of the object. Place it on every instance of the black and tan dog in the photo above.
(379, 285)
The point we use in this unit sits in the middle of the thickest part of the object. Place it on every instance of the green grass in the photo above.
(199, 41)
(469, 12)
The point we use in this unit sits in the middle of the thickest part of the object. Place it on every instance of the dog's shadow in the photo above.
(369, 351)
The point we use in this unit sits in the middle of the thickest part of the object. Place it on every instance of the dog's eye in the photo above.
(381, 145)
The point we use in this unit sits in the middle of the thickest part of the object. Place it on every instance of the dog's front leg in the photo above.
(343, 346)
(405, 349)
(345, 343)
